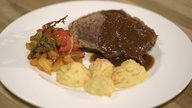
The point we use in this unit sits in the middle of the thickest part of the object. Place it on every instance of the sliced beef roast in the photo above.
(114, 33)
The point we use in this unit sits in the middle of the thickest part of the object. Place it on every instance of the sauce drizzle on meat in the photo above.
(125, 37)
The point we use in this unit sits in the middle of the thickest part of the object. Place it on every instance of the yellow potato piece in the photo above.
(100, 85)
(45, 64)
(73, 75)
(101, 67)
(57, 64)
(130, 73)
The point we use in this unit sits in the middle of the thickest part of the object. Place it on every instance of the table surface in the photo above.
(178, 11)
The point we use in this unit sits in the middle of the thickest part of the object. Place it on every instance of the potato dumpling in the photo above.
(73, 75)
(100, 85)
(132, 66)
(101, 67)
(130, 73)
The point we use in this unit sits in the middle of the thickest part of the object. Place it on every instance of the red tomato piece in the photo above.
(48, 33)
(61, 40)
(62, 36)
(66, 48)
(44, 27)
(75, 47)
(39, 30)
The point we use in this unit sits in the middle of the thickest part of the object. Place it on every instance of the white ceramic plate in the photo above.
(168, 77)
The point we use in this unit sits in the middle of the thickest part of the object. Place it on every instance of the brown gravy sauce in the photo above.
(148, 64)
(125, 37)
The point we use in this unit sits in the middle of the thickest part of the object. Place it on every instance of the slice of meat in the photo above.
(114, 33)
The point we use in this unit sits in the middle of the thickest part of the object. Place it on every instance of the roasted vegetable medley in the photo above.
(52, 47)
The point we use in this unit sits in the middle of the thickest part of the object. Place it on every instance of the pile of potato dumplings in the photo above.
(101, 78)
